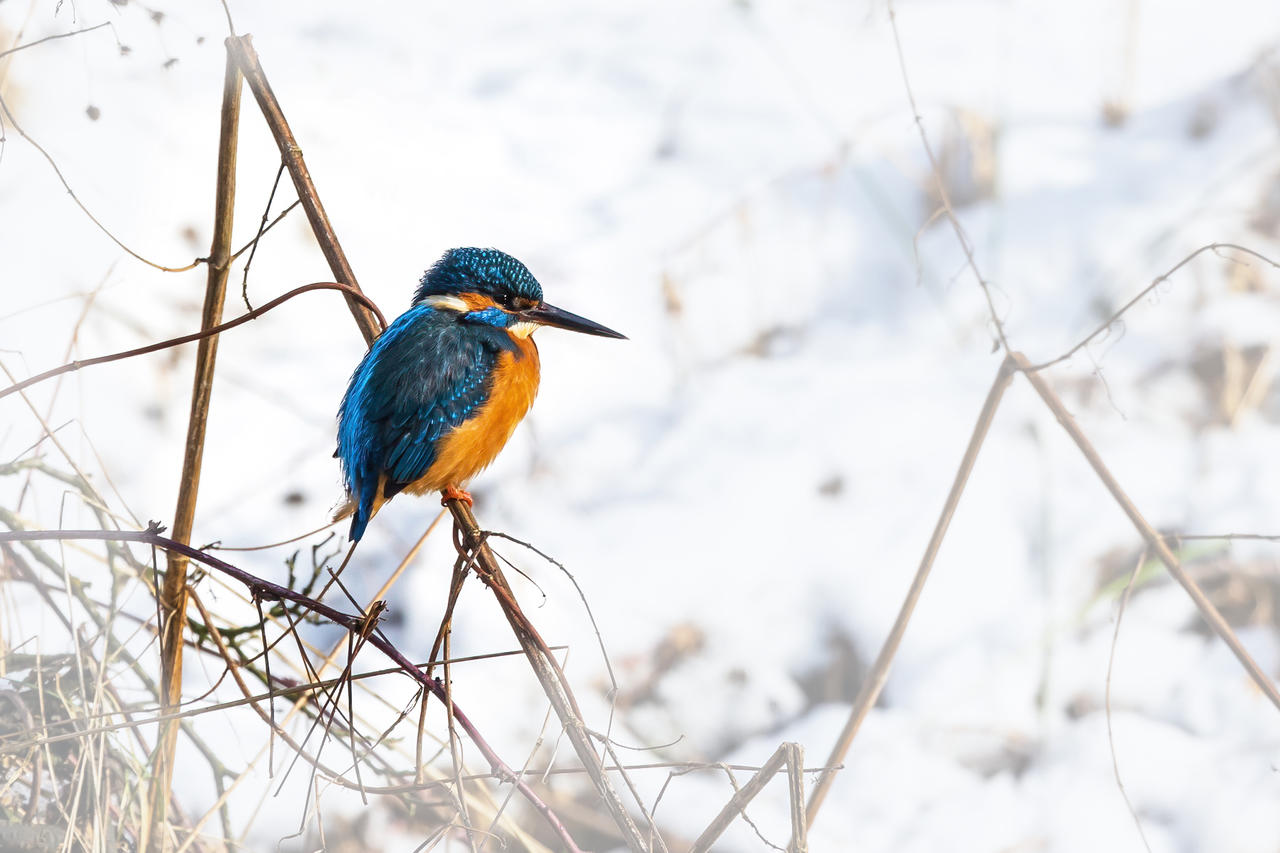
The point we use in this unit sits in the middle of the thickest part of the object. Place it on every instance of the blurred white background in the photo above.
(745, 487)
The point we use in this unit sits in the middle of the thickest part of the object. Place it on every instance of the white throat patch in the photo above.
(523, 329)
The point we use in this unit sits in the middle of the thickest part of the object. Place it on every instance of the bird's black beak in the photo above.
(550, 315)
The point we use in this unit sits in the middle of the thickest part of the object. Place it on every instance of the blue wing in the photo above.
(423, 376)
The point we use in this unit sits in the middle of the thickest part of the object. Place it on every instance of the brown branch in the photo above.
(875, 680)
(241, 48)
(173, 593)
(1153, 539)
(194, 336)
(268, 591)
(548, 672)
(739, 801)
(543, 663)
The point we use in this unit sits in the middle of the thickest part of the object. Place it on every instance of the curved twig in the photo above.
(264, 589)
(350, 293)
(1155, 282)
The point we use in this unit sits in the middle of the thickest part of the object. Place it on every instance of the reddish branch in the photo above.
(266, 590)
(195, 336)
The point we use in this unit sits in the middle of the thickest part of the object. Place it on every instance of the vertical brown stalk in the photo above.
(246, 58)
(173, 593)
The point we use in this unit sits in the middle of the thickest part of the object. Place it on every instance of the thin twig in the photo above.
(739, 801)
(4, 108)
(272, 591)
(79, 364)
(55, 36)
(1111, 662)
(941, 184)
(554, 685)
(1153, 539)
(262, 229)
(875, 679)
(241, 47)
(1155, 282)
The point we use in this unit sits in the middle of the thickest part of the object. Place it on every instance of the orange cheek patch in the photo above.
(476, 301)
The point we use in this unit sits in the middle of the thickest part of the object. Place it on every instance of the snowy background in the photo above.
(744, 488)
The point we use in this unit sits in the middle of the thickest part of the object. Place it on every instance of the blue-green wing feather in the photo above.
(424, 375)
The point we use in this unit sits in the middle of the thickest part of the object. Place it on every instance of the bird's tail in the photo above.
(359, 520)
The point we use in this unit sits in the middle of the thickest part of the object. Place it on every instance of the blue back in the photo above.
(423, 376)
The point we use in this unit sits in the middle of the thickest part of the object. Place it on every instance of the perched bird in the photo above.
(442, 389)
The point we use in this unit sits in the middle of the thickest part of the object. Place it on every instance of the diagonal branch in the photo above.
(740, 799)
(1154, 540)
(875, 680)
(72, 366)
(241, 49)
(269, 591)
(548, 673)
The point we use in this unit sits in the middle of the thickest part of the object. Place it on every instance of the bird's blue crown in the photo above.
(488, 271)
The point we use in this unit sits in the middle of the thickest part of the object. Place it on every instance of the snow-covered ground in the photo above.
(741, 188)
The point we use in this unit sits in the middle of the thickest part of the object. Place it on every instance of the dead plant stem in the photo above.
(1153, 539)
(879, 673)
(549, 676)
(241, 48)
(173, 593)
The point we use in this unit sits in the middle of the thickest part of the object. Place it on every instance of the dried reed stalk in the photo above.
(540, 659)
(879, 673)
(246, 58)
(173, 593)
(549, 676)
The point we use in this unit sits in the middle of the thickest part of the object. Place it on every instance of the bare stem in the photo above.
(267, 591)
(72, 366)
(875, 680)
(173, 593)
(1153, 539)
(241, 48)
(549, 675)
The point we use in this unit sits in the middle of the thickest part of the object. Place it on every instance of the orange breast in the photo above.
(469, 448)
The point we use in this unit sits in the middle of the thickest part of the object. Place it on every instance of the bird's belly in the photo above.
(473, 444)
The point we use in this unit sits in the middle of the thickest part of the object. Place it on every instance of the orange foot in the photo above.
(453, 493)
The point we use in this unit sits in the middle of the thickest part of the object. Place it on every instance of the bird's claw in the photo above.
(453, 493)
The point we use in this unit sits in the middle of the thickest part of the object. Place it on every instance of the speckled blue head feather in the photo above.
(488, 271)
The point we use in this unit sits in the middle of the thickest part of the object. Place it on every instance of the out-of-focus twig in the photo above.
(1155, 282)
(268, 591)
(739, 801)
(874, 682)
(1153, 539)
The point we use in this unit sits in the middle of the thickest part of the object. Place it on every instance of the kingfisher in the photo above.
(443, 387)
